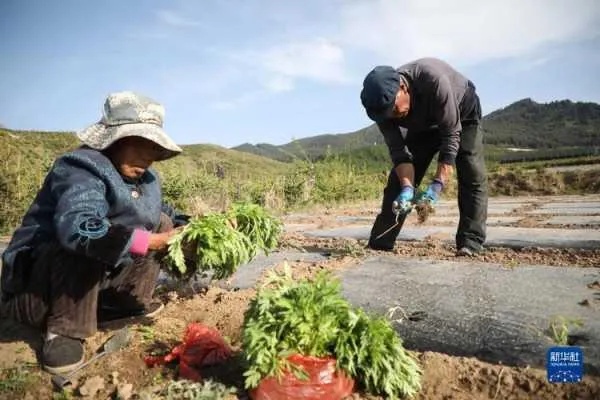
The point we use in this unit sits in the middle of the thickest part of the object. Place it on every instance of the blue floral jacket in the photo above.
(88, 208)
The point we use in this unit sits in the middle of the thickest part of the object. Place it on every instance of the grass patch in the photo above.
(16, 380)
(65, 394)
(564, 162)
(147, 333)
(560, 329)
(211, 178)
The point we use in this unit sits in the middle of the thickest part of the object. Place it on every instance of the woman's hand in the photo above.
(159, 241)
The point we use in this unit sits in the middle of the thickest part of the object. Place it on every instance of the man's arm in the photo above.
(448, 118)
(399, 153)
(443, 172)
(405, 173)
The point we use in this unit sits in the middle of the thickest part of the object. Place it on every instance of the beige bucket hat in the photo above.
(129, 114)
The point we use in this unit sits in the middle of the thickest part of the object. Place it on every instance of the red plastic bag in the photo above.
(202, 346)
(324, 382)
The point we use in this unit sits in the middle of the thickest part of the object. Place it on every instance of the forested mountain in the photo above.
(524, 124)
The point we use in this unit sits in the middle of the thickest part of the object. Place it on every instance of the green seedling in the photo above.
(147, 333)
(560, 328)
(221, 242)
(311, 317)
(64, 394)
(15, 380)
(352, 249)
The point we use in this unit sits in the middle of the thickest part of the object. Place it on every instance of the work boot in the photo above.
(62, 354)
(466, 251)
(379, 247)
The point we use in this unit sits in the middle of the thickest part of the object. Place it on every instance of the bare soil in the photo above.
(445, 377)
(432, 248)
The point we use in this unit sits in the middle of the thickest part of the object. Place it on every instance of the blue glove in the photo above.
(403, 203)
(432, 194)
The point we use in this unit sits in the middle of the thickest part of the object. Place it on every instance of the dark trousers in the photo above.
(472, 188)
(66, 291)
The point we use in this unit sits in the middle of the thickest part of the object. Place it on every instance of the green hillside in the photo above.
(316, 146)
(266, 150)
(209, 177)
(24, 147)
(551, 125)
(25, 158)
(223, 161)
(564, 126)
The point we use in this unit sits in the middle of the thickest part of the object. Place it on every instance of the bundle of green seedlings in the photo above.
(261, 228)
(221, 242)
(311, 318)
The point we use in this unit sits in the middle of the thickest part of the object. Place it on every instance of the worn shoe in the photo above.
(62, 354)
(466, 251)
(108, 314)
(374, 246)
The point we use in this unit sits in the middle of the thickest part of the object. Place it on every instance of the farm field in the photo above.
(484, 321)
(190, 187)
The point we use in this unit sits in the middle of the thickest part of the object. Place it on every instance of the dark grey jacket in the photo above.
(88, 208)
(440, 98)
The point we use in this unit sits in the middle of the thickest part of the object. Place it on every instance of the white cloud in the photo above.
(175, 19)
(465, 31)
(278, 67)
(534, 63)
(279, 83)
(317, 59)
(237, 102)
(336, 46)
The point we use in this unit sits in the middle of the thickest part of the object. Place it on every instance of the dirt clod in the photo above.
(114, 378)
(594, 285)
(124, 391)
(528, 385)
(91, 386)
(424, 211)
(507, 379)
(585, 303)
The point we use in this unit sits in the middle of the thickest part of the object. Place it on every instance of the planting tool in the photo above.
(397, 209)
(118, 341)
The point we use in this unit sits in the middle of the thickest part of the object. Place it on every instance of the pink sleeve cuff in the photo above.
(140, 242)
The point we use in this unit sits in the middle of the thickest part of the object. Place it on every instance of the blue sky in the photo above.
(237, 71)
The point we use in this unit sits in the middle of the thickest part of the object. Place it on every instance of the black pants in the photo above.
(66, 290)
(472, 188)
